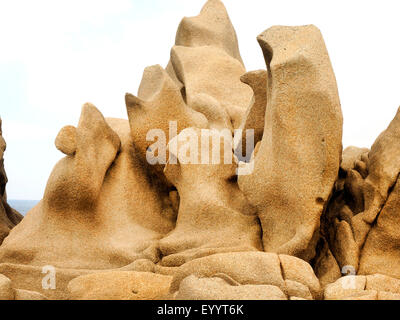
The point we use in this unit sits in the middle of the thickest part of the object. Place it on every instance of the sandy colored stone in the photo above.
(361, 221)
(383, 295)
(243, 267)
(217, 116)
(9, 217)
(159, 102)
(383, 171)
(252, 268)
(382, 282)
(350, 155)
(210, 71)
(326, 267)
(381, 252)
(364, 295)
(348, 286)
(371, 287)
(209, 197)
(206, 47)
(6, 289)
(298, 270)
(299, 156)
(30, 278)
(66, 140)
(193, 288)
(212, 27)
(254, 119)
(337, 231)
(28, 295)
(121, 285)
(100, 209)
(344, 246)
(118, 222)
(297, 289)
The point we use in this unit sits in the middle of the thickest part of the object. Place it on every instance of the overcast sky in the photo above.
(57, 55)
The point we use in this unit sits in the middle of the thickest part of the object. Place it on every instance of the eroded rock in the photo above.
(120, 285)
(100, 210)
(292, 276)
(298, 159)
(209, 197)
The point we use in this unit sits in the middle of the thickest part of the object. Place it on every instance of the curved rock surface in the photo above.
(282, 276)
(100, 209)
(164, 206)
(209, 197)
(303, 129)
(120, 285)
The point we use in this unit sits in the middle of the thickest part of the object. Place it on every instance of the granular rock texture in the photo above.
(120, 285)
(173, 203)
(209, 197)
(360, 226)
(100, 209)
(303, 129)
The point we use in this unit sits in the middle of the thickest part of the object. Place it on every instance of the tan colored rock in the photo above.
(32, 278)
(371, 287)
(348, 286)
(209, 197)
(210, 71)
(206, 47)
(340, 251)
(297, 289)
(297, 298)
(9, 217)
(298, 270)
(383, 171)
(381, 282)
(383, 295)
(365, 295)
(303, 129)
(193, 288)
(6, 289)
(218, 118)
(254, 118)
(351, 155)
(291, 275)
(100, 209)
(158, 103)
(212, 27)
(66, 140)
(326, 267)
(122, 285)
(28, 295)
(361, 220)
(381, 252)
(243, 267)
(117, 221)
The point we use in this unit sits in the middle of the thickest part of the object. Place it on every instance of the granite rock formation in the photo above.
(303, 128)
(173, 203)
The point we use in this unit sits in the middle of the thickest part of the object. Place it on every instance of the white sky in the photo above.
(57, 55)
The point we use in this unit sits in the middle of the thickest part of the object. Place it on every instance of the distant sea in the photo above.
(22, 206)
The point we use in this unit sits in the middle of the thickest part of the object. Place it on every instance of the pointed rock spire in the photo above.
(212, 27)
